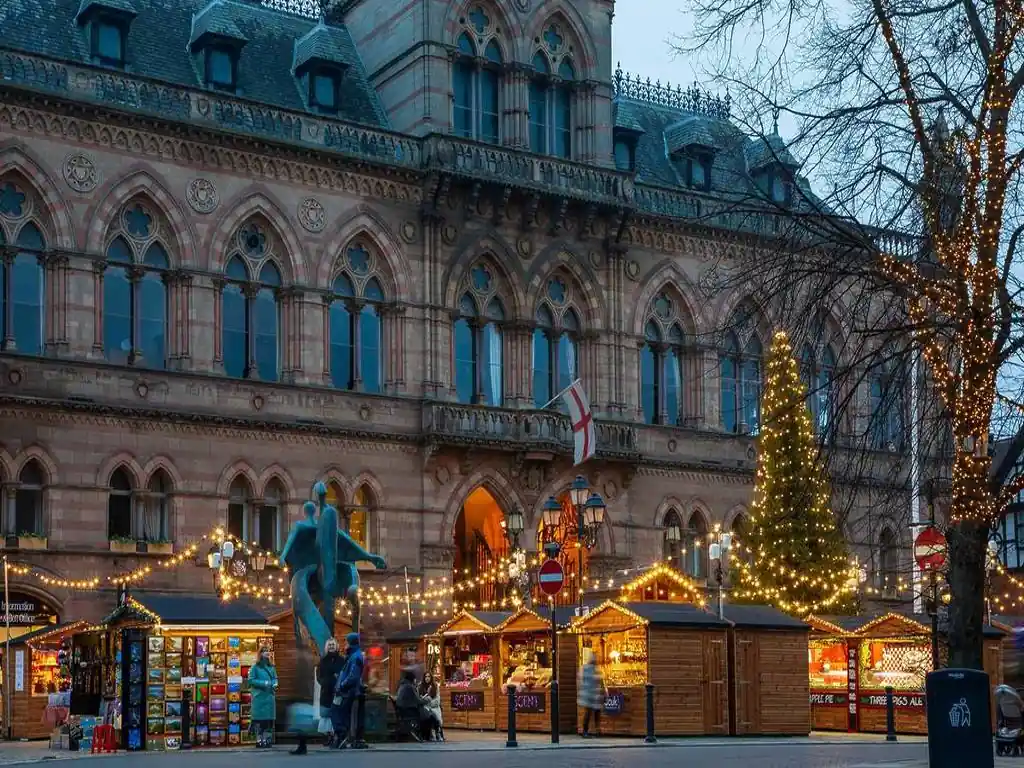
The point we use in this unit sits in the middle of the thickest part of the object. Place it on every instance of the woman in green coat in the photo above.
(263, 684)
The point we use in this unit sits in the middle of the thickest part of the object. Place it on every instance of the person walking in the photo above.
(331, 665)
(346, 691)
(590, 692)
(263, 684)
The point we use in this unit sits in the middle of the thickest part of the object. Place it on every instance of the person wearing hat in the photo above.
(346, 691)
(263, 684)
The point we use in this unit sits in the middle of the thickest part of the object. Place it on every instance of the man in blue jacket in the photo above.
(346, 691)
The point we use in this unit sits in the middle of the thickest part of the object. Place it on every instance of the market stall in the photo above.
(887, 650)
(768, 691)
(468, 669)
(417, 648)
(679, 648)
(524, 658)
(662, 583)
(41, 680)
(172, 668)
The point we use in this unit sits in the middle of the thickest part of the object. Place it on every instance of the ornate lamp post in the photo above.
(514, 524)
(718, 553)
(258, 562)
(590, 511)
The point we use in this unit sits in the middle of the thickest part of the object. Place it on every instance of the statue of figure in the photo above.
(322, 560)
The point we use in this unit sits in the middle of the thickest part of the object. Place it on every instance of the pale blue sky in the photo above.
(641, 33)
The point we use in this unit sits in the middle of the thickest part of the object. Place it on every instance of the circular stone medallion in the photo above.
(80, 172)
(312, 215)
(202, 196)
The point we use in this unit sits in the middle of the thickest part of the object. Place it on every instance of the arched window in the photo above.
(551, 96)
(119, 505)
(888, 563)
(555, 343)
(265, 526)
(740, 385)
(250, 315)
(478, 343)
(134, 293)
(817, 376)
(335, 498)
(663, 362)
(740, 528)
(476, 78)
(156, 521)
(239, 508)
(887, 407)
(672, 539)
(28, 501)
(359, 516)
(695, 550)
(356, 330)
(21, 275)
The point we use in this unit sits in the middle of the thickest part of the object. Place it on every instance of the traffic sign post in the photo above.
(550, 577)
(930, 553)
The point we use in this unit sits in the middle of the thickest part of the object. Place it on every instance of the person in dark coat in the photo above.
(331, 665)
(346, 691)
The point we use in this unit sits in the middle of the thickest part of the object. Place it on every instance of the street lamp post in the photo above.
(721, 542)
(514, 524)
(258, 562)
(590, 511)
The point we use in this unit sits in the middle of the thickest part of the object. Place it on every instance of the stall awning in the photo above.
(417, 632)
(886, 623)
(614, 616)
(188, 611)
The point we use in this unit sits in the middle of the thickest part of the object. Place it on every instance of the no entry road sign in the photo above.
(551, 577)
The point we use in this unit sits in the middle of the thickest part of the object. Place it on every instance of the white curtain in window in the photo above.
(494, 363)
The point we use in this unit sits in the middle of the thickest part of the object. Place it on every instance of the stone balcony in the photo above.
(520, 430)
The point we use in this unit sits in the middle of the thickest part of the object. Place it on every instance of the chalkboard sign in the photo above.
(614, 704)
(531, 703)
(467, 701)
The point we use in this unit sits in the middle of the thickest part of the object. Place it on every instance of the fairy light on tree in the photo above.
(797, 557)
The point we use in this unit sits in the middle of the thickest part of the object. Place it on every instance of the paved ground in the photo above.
(470, 750)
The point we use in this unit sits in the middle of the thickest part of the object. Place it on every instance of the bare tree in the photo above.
(907, 122)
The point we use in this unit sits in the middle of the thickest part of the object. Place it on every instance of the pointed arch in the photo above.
(737, 512)
(120, 459)
(164, 463)
(511, 29)
(333, 474)
(365, 222)
(668, 275)
(61, 234)
(494, 482)
(586, 59)
(492, 248)
(257, 203)
(697, 510)
(232, 471)
(7, 466)
(40, 454)
(279, 472)
(369, 480)
(667, 505)
(141, 183)
(750, 303)
(588, 286)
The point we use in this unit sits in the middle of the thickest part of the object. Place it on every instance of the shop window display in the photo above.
(901, 665)
(468, 662)
(622, 657)
(527, 663)
(828, 664)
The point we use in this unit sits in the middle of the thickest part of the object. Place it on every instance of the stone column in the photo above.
(135, 274)
(515, 93)
(179, 284)
(98, 268)
(326, 299)
(357, 362)
(218, 325)
(55, 270)
(251, 291)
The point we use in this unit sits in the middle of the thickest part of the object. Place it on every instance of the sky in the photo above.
(641, 34)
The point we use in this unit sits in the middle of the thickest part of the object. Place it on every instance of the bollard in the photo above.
(649, 738)
(360, 740)
(511, 690)
(890, 715)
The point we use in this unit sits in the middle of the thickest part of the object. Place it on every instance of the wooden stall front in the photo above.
(768, 690)
(468, 669)
(417, 648)
(679, 648)
(883, 650)
(524, 657)
(286, 658)
(41, 680)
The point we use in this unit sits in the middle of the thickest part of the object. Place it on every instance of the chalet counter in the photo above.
(469, 649)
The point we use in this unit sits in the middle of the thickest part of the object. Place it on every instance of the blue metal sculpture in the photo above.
(322, 560)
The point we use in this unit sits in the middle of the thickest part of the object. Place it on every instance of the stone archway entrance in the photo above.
(480, 547)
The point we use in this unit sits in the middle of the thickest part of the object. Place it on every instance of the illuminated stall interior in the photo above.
(417, 649)
(41, 680)
(469, 648)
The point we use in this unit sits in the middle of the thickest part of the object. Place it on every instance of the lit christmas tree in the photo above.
(793, 556)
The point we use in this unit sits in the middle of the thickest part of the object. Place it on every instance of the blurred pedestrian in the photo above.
(590, 692)
(263, 684)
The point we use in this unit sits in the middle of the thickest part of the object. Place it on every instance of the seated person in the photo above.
(430, 694)
(408, 703)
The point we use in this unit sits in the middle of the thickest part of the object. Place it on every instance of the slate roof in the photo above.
(322, 43)
(158, 47)
(676, 615)
(47, 630)
(218, 18)
(123, 6)
(761, 617)
(490, 618)
(418, 631)
(194, 609)
(856, 623)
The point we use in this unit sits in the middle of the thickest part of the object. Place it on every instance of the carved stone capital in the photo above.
(438, 556)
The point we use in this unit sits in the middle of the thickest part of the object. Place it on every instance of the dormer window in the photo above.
(106, 25)
(699, 172)
(781, 191)
(625, 157)
(221, 67)
(323, 91)
(108, 43)
(319, 64)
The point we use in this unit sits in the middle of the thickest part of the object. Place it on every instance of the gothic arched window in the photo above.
(156, 519)
(356, 329)
(359, 516)
(119, 505)
(551, 96)
(239, 508)
(662, 363)
(134, 293)
(695, 550)
(888, 562)
(477, 340)
(555, 343)
(887, 406)
(28, 500)
(672, 539)
(21, 275)
(250, 314)
(476, 78)
(740, 371)
(818, 375)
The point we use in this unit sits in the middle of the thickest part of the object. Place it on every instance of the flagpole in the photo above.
(7, 651)
(549, 402)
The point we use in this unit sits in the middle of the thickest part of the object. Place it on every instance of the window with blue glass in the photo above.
(887, 405)
(550, 103)
(108, 41)
(476, 80)
(555, 342)
(624, 155)
(134, 292)
(477, 340)
(663, 358)
(817, 370)
(250, 309)
(740, 395)
(323, 90)
(221, 66)
(356, 328)
(22, 275)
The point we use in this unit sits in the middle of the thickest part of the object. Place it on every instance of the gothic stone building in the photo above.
(247, 245)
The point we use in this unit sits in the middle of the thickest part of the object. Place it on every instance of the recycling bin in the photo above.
(959, 719)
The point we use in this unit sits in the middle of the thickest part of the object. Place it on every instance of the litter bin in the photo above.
(959, 719)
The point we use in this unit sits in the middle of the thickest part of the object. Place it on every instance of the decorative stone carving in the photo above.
(610, 489)
(312, 215)
(80, 172)
(449, 233)
(595, 258)
(202, 196)
(14, 376)
(523, 6)
(257, 402)
(437, 556)
(142, 389)
(443, 475)
(632, 269)
(365, 412)
(751, 452)
(524, 247)
(672, 445)
(408, 231)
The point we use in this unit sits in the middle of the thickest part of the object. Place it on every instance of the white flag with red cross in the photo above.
(583, 433)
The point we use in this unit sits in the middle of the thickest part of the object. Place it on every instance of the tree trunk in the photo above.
(968, 542)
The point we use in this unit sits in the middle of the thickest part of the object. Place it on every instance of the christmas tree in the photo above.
(793, 556)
